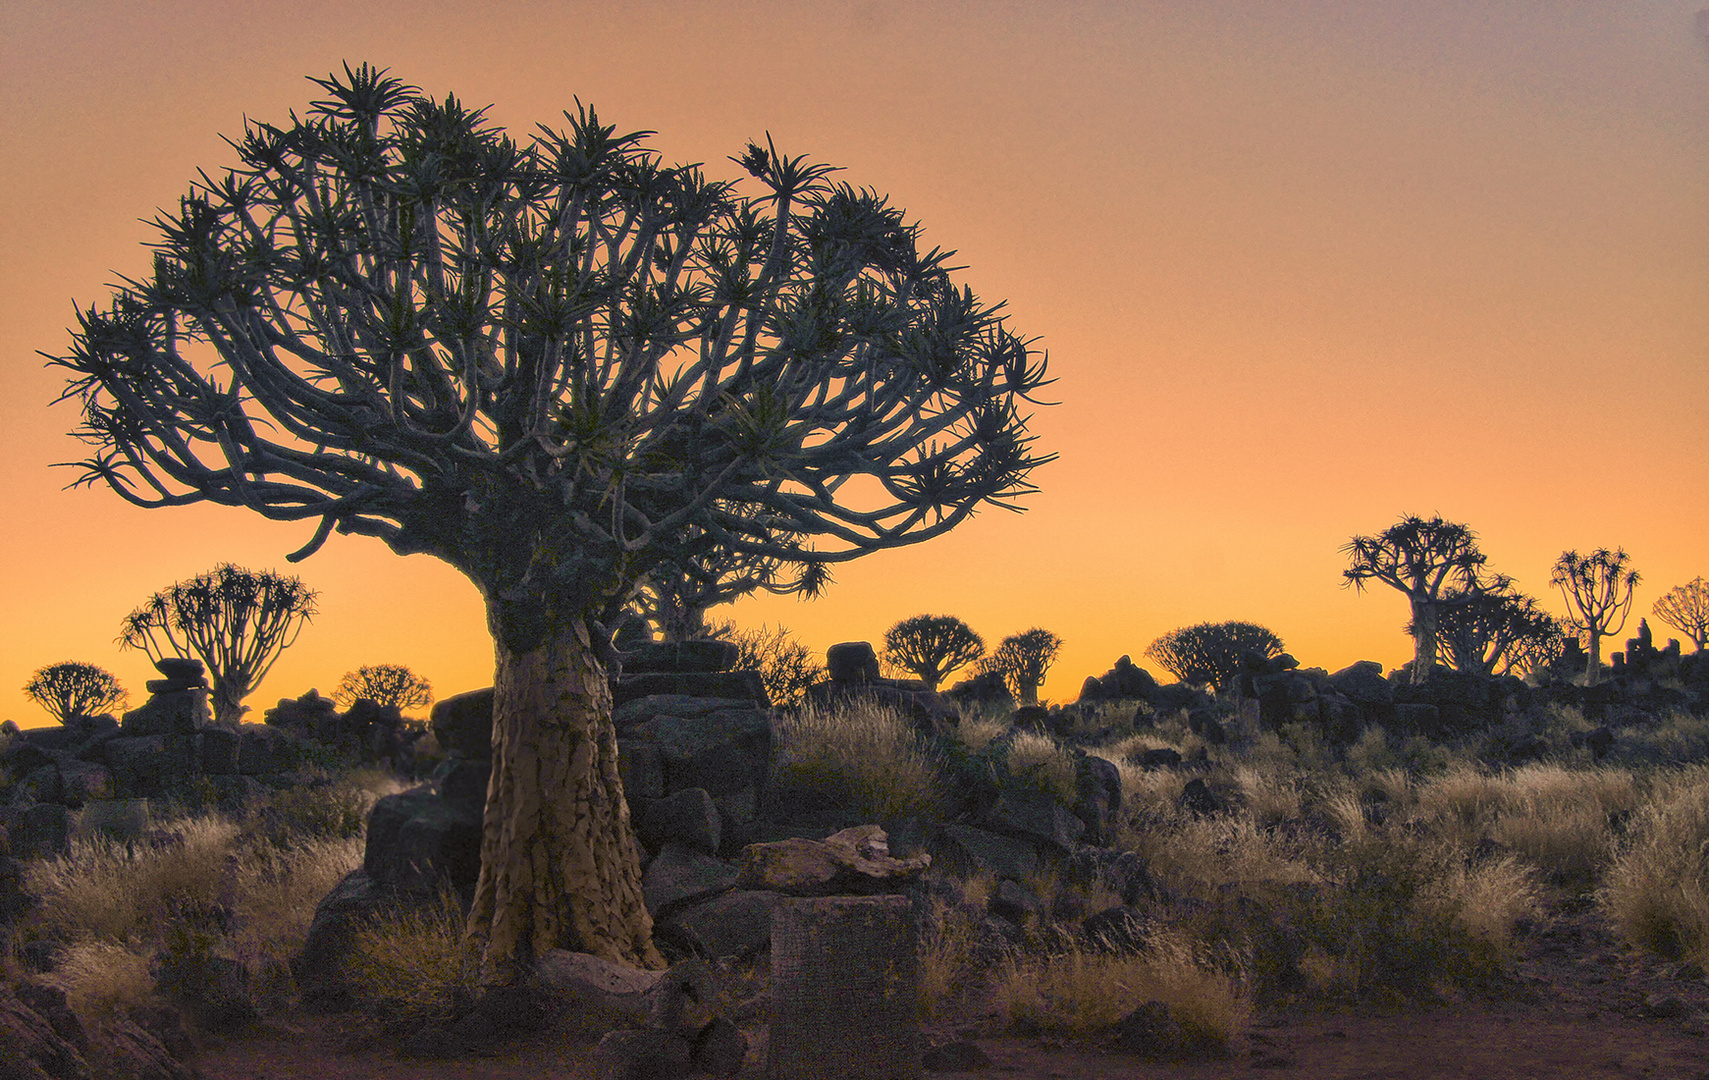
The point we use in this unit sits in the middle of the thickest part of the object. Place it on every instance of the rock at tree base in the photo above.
(854, 860)
(845, 993)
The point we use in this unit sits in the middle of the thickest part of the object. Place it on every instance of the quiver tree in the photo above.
(1598, 589)
(1213, 653)
(1497, 632)
(236, 621)
(71, 690)
(932, 646)
(558, 365)
(384, 684)
(1023, 659)
(1433, 563)
(1686, 609)
(674, 596)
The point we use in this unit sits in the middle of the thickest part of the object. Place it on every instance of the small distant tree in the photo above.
(1598, 589)
(1022, 659)
(1686, 609)
(384, 684)
(1497, 632)
(70, 690)
(786, 667)
(932, 646)
(1432, 562)
(236, 621)
(1212, 652)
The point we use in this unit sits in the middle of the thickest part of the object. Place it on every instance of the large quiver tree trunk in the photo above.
(560, 866)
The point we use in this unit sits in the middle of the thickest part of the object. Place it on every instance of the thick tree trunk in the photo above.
(560, 866)
(1424, 625)
(227, 703)
(1593, 667)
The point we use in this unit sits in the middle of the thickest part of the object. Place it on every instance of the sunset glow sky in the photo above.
(1302, 267)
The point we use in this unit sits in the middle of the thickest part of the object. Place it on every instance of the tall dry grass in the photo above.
(1656, 892)
(862, 755)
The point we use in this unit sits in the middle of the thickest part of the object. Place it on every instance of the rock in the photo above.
(679, 875)
(719, 1049)
(1099, 800)
(319, 968)
(214, 988)
(166, 1024)
(1026, 811)
(853, 861)
(929, 712)
(217, 751)
(988, 691)
(46, 831)
(732, 925)
(174, 712)
(418, 840)
(183, 669)
(680, 1002)
(116, 819)
(1665, 1007)
(594, 993)
(852, 662)
(1151, 1033)
(31, 1048)
(138, 763)
(685, 817)
(1120, 929)
(462, 782)
(719, 751)
(642, 770)
(41, 956)
(81, 781)
(697, 655)
(49, 1003)
(1163, 757)
(463, 724)
(845, 993)
(959, 1055)
(963, 849)
(642, 1054)
(1198, 798)
(264, 749)
(1015, 902)
(1125, 681)
(744, 686)
(138, 1055)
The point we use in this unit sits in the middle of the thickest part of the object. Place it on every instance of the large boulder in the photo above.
(678, 876)
(418, 840)
(463, 724)
(730, 926)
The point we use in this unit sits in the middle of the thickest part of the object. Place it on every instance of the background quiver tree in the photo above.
(932, 646)
(674, 596)
(386, 685)
(1213, 653)
(1496, 631)
(1432, 562)
(1598, 589)
(1023, 659)
(236, 621)
(557, 365)
(1686, 609)
(72, 690)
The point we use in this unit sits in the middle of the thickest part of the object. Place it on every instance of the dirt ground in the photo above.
(1583, 1006)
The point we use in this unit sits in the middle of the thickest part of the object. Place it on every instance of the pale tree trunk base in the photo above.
(560, 866)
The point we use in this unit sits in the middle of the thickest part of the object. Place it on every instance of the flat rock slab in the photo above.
(731, 926)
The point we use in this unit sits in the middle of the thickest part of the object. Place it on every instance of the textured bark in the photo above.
(560, 866)
(1424, 623)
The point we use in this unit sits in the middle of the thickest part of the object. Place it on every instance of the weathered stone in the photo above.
(417, 841)
(1026, 811)
(170, 713)
(958, 1055)
(30, 1047)
(963, 848)
(851, 862)
(736, 808)
(180, 667)
(679, 875)
(320, 968)
(730, 926)
(47, 830)
(116, 819)
(685, 817)
(1198, 798)
(595, 993)
(642, 1054)
(699, 655)
(719, 1049)
(744, 686)
(1099, 786)
(1162, 757)
(844, 990)
(136, 762)
(218, 750)
(852, 661)
(462, 782)
(49, 1003)
(463, 724)
(166, 1024)
(718, 751)
(1015, 902)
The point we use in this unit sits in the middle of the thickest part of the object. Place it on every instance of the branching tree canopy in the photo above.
(70, 690)
(1686, 609)
(674, 596)
(1496, 632)
(1434, 563)
(384, 684)
(558, 365)
(236, 621)
(1023, 659)
(1598, 589)
(1213, 652)
(932, 646)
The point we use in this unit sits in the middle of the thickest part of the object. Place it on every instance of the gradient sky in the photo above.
(1302, 267)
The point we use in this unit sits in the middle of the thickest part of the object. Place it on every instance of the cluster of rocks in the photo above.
(369, 732)
(41, 1037)
(853, 673)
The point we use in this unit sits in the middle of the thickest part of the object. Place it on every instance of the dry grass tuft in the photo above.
(101, 978)
(1038, 759)
(864, 755)
(415, 961)
(1656, 892)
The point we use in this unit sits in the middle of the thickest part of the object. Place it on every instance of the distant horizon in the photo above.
(1301, 270)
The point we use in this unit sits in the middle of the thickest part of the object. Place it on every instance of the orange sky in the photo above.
(1302, 267)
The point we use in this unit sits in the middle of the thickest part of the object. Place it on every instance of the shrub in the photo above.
(1037, 760)
(860, 755)
(786, 667)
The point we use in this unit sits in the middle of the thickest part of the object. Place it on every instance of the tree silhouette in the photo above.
(1686, 609)
(71, 690)
(1434, 563)
(1213, 653)
(557, 365)
(675, 596)
(786, 667)
(236, 621)
(932, 646)
(1592, 587)
(1022, 659)
(1497, 632)
(384, 684)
